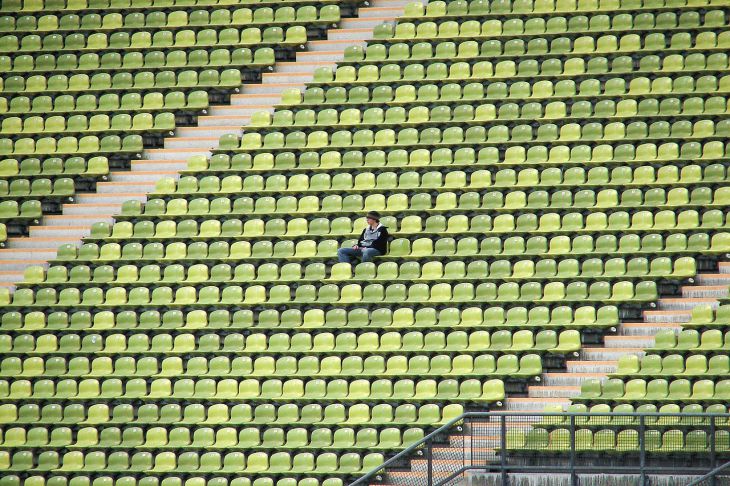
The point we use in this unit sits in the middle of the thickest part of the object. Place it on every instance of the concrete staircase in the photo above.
(478, 442)
(76, 219)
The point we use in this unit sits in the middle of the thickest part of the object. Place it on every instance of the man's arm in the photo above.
(381, 243)
(359, 240)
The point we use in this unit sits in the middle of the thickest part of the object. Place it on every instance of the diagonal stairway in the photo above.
(556, 388)
(76, 219)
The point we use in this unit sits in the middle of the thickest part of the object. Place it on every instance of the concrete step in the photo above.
(174, 154)
(197, 143)
(365, 22)
(161, 165)
(74, 219)
(705, 291)
(308, 66)
(239, 110)
(26, 255)
(270, 89)
(114, 188)
(714, 279)
(208, 131)
(683, 303)
(321, 56)
(646, 328)
(629, 341)
(553, 391)
(139, 176)
(293, 77)
(39, 243)
(10, 277)
(608, 354)
(77, 232)
(93, 209)
(570, 379)
(390, 12)
(20, 264)
(527, 405)
(352, 34)
(587, 367)
(227, 123)
(393, 3)
(664, 316)
(249, 98)
(335, 44)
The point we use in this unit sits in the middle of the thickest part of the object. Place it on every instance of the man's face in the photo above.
(371, 221)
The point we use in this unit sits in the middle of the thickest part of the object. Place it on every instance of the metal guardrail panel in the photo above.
(505, 443)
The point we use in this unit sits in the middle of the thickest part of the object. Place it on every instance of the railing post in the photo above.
(642, 451)
(503, 449)
(429, 463)
(713, 457)
(573, 475)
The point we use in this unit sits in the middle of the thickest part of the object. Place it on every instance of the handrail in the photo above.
(363, 480)
(407, 451)
(710, 474)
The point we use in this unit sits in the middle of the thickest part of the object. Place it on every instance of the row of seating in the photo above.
(133, 61)
(12, 212)
(229, 414)
(140, 122)
(516, 89)
(232, 463)
(400, 248)
(609, 440)
(142, 81)
(488, 29)
(489, 317)
(294, 35)
(173, 19)
(688, 17)
(21, 188)
(145, 5)
(455, 135)
(480, 270)
(68, 145)
(93, 167)
(641, 175)
(677, 390)
(672, 415)
(461, 113)
(348, 294)
(529, 68)
(108, 102)
(78, 480)
(446, 390)
(254, 228)
(305, 343)
(460, 8)
(690, 340)
(222, 366)
(705, 316)
(567, 156)
(249, 438)
(412, 203)
(676, 364)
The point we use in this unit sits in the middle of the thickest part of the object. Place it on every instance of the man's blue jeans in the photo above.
(347, 255)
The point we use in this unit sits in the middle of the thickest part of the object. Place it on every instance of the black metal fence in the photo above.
(576, 448)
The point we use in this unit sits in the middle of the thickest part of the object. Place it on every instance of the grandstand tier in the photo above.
(553, 174)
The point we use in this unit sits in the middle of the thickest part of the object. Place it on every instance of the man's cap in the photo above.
(373, 215)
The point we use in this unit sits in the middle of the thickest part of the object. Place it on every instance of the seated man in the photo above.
(373, 241)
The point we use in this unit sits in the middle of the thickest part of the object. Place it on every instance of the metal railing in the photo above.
(635, 446)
